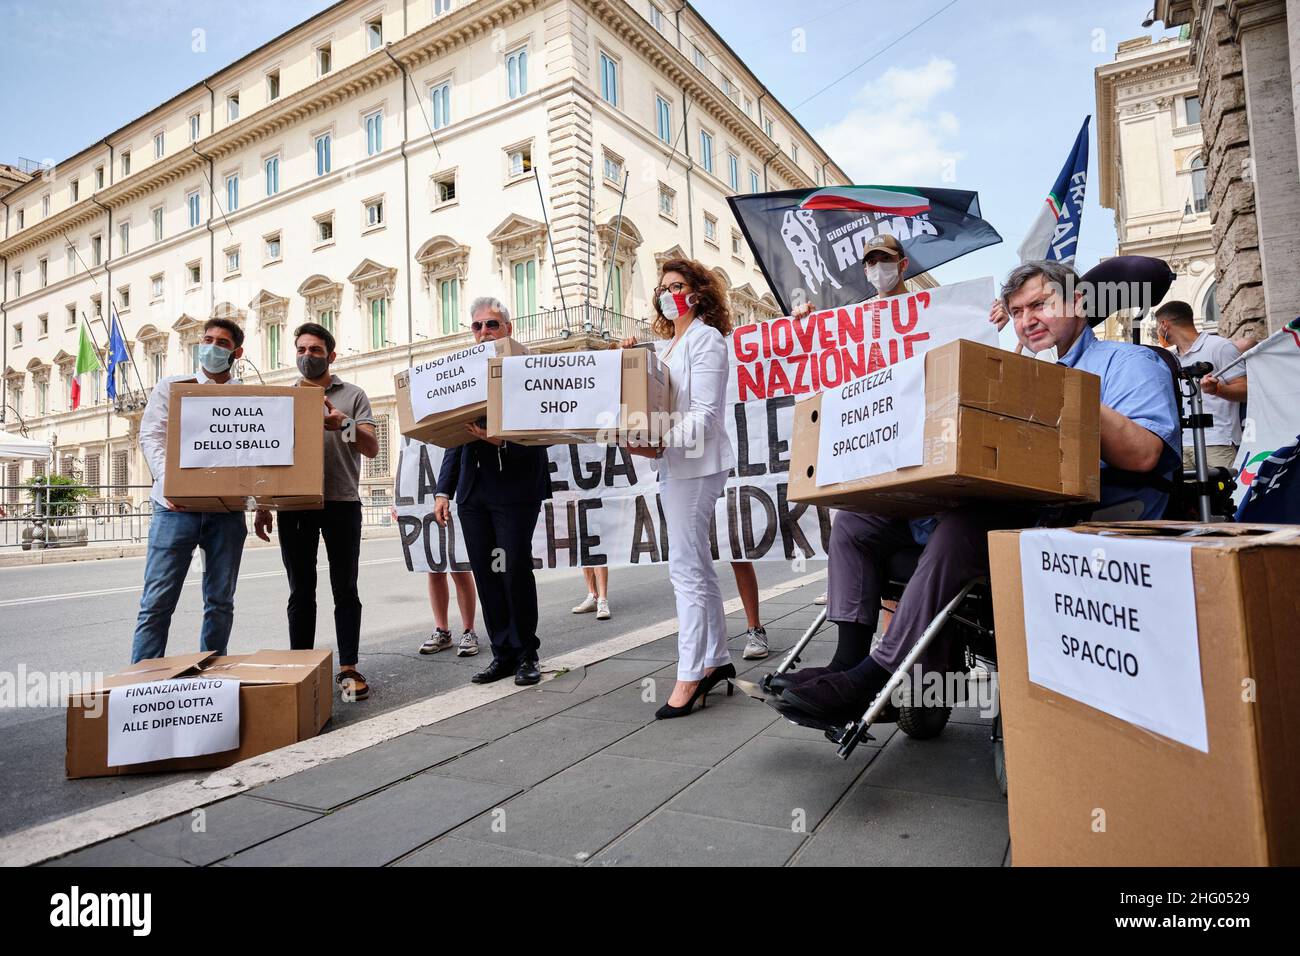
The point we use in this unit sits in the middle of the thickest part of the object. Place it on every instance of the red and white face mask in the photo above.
(673, 305)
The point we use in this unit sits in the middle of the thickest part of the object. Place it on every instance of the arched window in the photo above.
(1200, 202)
(1210, 309)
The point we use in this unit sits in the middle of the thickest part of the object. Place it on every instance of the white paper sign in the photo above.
(229, 432)
(1111, 622)
(563, 392)
(450, 381)
(874, 424)
(184, 717)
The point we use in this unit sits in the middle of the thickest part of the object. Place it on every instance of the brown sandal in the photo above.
(352, 686)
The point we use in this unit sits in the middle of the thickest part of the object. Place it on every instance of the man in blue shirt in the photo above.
(1140, 447)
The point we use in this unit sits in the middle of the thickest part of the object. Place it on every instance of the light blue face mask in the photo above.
(214, 358)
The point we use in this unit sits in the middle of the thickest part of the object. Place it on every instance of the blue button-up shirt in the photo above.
(1137, 384)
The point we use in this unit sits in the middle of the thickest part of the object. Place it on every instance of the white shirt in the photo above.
(697, 444)
(153, 425)
(1218, 351)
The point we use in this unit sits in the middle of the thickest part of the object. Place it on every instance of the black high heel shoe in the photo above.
(726, 672)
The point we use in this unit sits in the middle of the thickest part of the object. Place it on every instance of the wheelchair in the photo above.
(1198, 494)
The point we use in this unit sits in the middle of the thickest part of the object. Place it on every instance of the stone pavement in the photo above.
(577, 771)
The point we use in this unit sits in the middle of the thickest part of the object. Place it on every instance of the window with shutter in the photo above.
(119, 472)
(92, 475)
(377, 467)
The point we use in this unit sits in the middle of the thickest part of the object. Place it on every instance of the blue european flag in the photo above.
(116, 352)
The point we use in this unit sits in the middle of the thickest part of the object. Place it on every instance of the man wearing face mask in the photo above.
(349, 434)
(174, 533)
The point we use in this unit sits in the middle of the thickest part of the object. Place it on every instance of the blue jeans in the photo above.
(173, 536)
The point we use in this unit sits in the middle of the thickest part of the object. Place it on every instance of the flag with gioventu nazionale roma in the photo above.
(87, 363)
(809, 242)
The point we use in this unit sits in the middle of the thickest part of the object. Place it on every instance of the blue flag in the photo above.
(1055, 233)
(116, 352)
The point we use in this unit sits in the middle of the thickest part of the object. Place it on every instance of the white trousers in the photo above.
(701, 621)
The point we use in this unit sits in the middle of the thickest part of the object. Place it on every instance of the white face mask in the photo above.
(883, 275)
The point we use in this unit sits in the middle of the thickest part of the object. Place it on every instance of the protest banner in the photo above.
(605, 509)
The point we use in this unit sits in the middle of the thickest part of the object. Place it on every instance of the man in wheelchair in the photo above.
(1140, 448)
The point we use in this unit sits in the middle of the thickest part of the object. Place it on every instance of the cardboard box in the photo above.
(299, 485)
(1165, 803)
(284, 697)
(998, 426)
(446, 429)
(646, 404)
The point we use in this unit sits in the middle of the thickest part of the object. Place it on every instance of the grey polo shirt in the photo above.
(342, 460)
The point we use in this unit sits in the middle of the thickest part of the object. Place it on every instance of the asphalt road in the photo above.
(79, 617)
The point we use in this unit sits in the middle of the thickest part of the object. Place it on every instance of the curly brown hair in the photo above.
(711, 306)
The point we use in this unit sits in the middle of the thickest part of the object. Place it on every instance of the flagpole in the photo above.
(108, 406)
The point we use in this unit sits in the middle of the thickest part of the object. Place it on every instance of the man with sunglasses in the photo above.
(499, 488)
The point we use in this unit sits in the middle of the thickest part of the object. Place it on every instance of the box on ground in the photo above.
(284, 697)
(294, 486)
(646, 402)
(997, 426)
(1164, 803)
(447, 428)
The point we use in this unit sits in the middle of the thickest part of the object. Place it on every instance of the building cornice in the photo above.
(638, 34)
(437, 38)
(1163, 60)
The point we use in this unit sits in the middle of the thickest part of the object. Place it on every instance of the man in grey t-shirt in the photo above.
(1221, 398)
(349, 434)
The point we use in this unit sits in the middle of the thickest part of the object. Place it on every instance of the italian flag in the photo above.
(87, 362)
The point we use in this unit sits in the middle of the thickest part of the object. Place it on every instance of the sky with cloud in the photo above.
(973, 94)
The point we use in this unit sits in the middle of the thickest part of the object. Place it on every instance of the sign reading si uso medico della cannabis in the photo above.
(449, 382)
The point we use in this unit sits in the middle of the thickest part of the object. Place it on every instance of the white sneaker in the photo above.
(820, 599)
(756, 646)
(602, 609)
(440, 640)
(468, 645)
(587, 606)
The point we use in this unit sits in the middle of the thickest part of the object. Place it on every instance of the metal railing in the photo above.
(35, 519)
(583, 319)
(39, 516)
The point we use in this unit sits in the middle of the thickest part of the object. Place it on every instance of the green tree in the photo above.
(56, 495)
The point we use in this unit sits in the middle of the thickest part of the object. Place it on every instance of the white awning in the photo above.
(13, 445)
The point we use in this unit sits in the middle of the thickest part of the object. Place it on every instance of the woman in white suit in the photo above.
(694, 458)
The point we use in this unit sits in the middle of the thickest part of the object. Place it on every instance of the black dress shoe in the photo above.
(831, 697)
(497, 670)
(779, 683)
(527, 672)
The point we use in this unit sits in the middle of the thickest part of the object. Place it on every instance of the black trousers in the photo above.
(499, 540)
(339, 523)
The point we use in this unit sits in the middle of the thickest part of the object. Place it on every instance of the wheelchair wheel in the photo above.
(922, 723)
(999, 756)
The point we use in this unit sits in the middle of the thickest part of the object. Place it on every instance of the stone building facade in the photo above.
(1247, 57)
(1153, 171)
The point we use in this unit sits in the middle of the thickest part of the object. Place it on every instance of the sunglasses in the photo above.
(491, 325)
